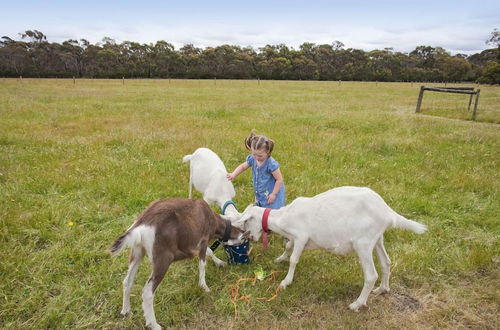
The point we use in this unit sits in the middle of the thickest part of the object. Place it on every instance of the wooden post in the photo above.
(21, 78)
(470, 102)
(420, 97)
(123, 80)
(475, 105)
(215, 81)
(74, 82)
(340, 81)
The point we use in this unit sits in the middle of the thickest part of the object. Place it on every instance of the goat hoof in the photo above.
(125, 313)
(355, 306)
(282, 286)
(380, 290)
(155, 326)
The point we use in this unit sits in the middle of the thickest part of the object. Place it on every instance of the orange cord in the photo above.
(236, 289)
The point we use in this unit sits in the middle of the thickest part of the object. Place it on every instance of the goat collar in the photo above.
(226, 204)
(265, 228)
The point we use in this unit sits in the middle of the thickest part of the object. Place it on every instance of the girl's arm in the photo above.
(277, 186)
(237, 171)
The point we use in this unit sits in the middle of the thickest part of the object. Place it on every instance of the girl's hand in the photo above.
(271, 198)
(230, 176)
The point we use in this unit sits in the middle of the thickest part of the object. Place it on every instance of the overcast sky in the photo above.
(458, 26)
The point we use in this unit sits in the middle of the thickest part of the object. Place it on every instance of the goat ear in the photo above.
(240, 223)
(246, 215)
(248, 208)
(246, 235)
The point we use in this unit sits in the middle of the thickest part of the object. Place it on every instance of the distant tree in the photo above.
(72, 54)
(34, 56)
(382, 64)
(453, 68)
(275, 62)
(323, 57)
(190, 56)
(491, 73)
(37, 36)
(304, 68)
(37, 50)
(90, 59)
(494, 40)
(221, 61)
(307, 50)
(244, 66)
(165, 59)
(14, 60)
(427, 55)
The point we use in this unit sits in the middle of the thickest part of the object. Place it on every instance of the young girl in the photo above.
(266, 175)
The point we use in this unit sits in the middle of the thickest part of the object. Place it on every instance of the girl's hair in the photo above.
(259, 142)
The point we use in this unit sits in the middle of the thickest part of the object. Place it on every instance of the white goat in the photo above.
(208, 175)
(339, 220)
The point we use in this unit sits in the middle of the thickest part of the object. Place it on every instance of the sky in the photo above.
(457, 26)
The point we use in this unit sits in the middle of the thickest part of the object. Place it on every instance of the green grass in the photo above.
(96, 153)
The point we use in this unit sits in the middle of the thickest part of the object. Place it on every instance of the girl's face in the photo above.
(260, 155)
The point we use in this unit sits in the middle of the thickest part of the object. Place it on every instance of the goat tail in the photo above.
(403, 223)
(187, 158)
(129, 238)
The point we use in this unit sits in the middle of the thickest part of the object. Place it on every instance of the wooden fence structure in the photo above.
(457, 90)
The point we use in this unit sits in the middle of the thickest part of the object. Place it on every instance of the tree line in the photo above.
(34, 56)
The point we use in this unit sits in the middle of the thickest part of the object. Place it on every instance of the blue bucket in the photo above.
(237, 254)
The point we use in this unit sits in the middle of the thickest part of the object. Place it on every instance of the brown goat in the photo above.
(169, 230)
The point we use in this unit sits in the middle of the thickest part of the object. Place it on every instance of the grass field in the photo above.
(79, 161)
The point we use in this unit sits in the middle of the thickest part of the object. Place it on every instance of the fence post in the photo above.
(420, 97)
(475, 105)
(74, 82)
(470, 101)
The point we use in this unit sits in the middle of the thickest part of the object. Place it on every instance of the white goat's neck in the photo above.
(222, 200)
(274, 221)
(230, 210)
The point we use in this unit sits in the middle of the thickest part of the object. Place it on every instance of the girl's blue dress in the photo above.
(263, 182)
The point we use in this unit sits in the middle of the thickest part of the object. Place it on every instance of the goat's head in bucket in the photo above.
(250, 222)
(237, 249)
